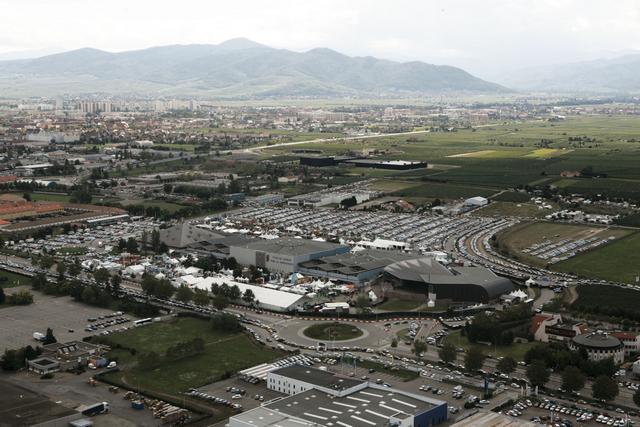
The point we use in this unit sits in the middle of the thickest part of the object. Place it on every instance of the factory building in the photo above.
(283, 254)
(321, 398)
(456, 283)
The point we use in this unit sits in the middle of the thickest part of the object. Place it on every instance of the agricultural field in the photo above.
(618, 261)
(593, 263)
(607, 301)
(513, 153)
(230, 351)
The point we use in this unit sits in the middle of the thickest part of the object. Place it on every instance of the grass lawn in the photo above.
(522, 236)
(521, 210)
(399, 305)
(618, 261)
(515, 350)
(330, 331)
(42, 197)
(72, 250)
(224, 353)
(10, 280)
(168, 206)
(396, 371)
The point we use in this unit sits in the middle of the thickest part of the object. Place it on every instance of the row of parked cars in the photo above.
(213, 399)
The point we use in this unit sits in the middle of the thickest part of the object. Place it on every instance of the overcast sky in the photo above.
(485, 37)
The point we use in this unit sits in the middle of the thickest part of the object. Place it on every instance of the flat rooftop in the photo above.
(289, 246)
(317, 377)
(364, 408)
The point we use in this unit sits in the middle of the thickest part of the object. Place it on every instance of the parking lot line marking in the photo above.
(345, 404)
(390, 408)
(320, 417)
(378, 414)
(329, 410)
(404, 403)
(371, 423)
(358, 399)
(370, 394)
(343, 424)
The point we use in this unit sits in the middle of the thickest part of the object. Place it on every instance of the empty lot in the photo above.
(59, 313)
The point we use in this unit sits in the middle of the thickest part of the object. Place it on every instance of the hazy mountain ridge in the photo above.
(236, 68)
(620, 75)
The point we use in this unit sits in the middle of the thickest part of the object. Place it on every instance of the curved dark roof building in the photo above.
(599, 345)
(468, 284)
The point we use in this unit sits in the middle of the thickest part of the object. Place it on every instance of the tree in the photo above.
(604, 388)
(116, 281)
(201, 297)
(132, 245)
(573, 379)
(362, 303)
(636, 397)
(184, 293)
(474, 359)
(507, 365)
(49, 338)
(447, 353)
(155, 240)
(394, 342)
(75, 268)
(538, 373)
(61, 268)
(234, 293)
(3, 297)
(101, 276)
(419, 347)
(248, 296)
(220, 302)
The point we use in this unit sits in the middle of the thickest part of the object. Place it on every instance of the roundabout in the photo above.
(333, 331)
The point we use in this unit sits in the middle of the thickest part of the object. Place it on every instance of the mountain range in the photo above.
(617, 75)
(237, 68)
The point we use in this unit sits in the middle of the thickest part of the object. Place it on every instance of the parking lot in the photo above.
(226, 389)
(95, 240)
(564, 414)
(420, 232)
(67, 318)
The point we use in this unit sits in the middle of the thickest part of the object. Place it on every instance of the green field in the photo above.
(608, 301)
(42, 197)
(72, 250)
(512, 153)
(618, 261)
(224, 353)
(168, 206)
(522, 236)
(521, 210)
(399, 305)
(13, 279)
(515, 350)
(333, 331)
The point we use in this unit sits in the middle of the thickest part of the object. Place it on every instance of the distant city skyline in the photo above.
(485, 38)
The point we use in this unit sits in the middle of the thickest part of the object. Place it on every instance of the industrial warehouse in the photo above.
(324, 161)
(354, 267)
(321, 398)
(457, 283)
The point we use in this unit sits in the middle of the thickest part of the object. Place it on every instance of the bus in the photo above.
(142, 321)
